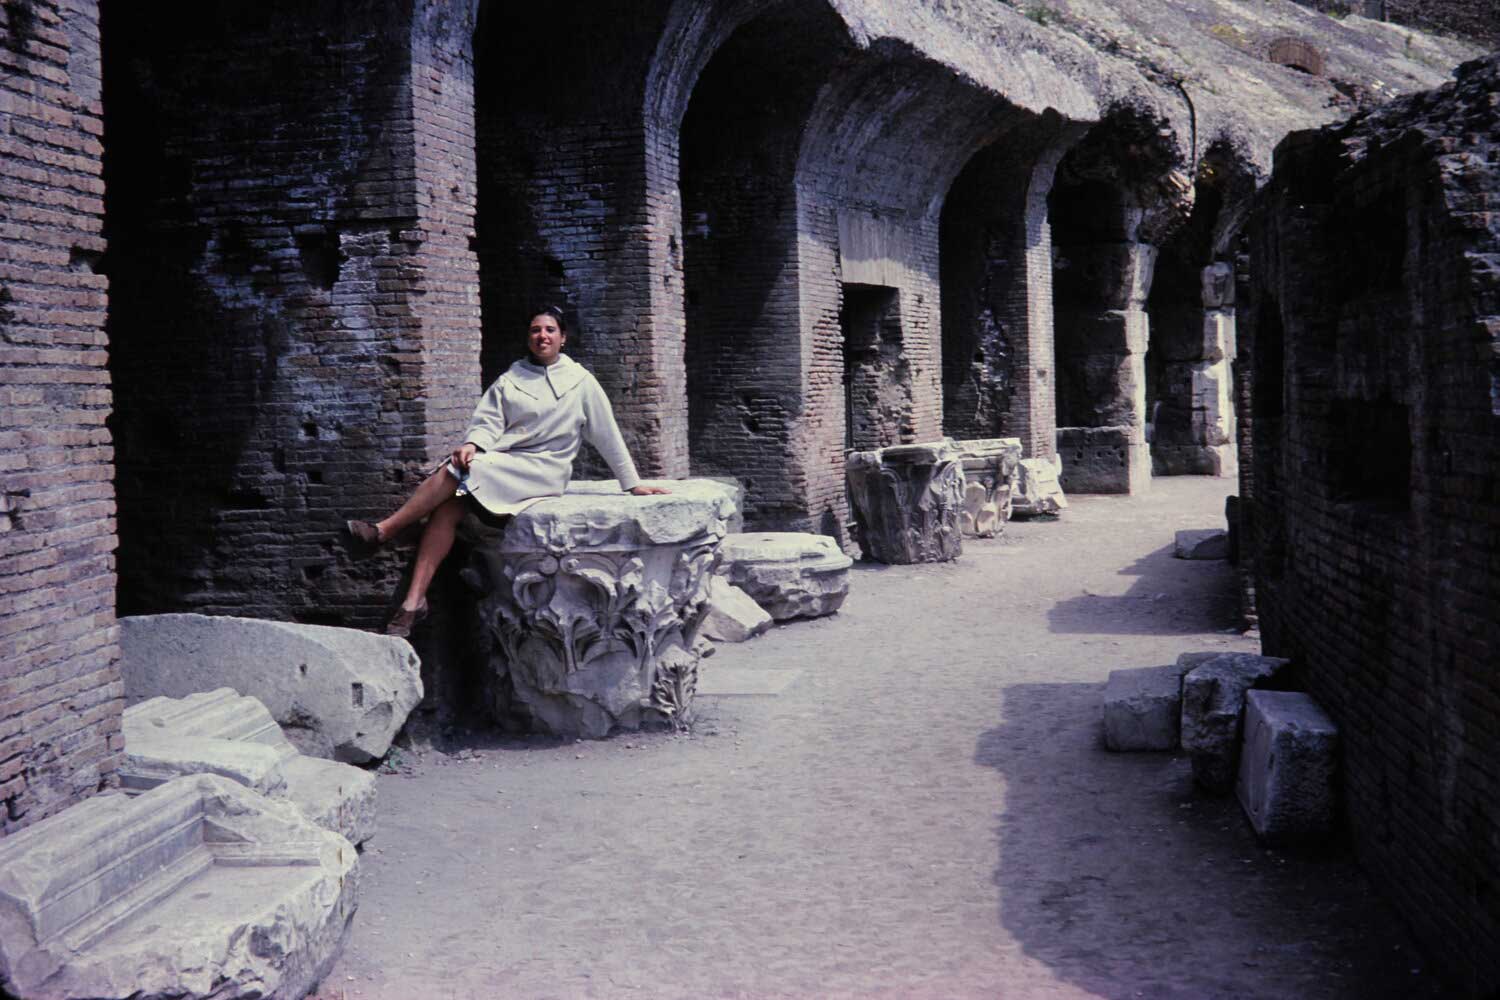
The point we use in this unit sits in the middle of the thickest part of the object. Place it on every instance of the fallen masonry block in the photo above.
(907, 500)
(1213, 701)
(990, 473)
(221, 732)
(1143, 708)
(732, 615)
(200, 888)
(1287, 766)
(1201, 543)
(336, 692)
(1038, 491)
(790, 574)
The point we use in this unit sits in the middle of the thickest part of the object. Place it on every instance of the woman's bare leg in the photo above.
(424, 500)
(437, 540)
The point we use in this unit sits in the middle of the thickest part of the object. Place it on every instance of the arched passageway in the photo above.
(744, 351)
(1118, 195)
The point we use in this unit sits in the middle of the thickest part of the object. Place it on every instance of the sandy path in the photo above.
(926, 812)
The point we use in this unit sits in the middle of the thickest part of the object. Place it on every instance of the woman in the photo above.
(519, 448)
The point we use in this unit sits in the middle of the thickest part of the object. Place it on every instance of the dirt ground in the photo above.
(927, 811)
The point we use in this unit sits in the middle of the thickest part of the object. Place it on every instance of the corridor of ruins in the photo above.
(861, 280)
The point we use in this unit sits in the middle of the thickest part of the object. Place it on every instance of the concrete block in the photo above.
(1201, 543)
(1143, 708)
(336, 692)
(732, 616)
(200, 888)
(1287, 766)
(1213, 701)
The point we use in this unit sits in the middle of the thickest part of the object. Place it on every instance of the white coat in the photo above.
(529, 426)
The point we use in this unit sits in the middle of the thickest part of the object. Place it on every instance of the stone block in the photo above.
(1038, 490)
(1218, 285)
(590, 604)
(1113, 460)
(907, 501)
(336, 692)
(1143, 708)
(790, 574)
(1213, 701)
(731, 614)
(1287, 766)
(221, 732)
(1178, 459)
(1201, 543)
(200, 888)
(990, 472)
(734, 522)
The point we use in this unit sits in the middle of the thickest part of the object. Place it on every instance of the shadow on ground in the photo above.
(1129, 883)
(1169, 596)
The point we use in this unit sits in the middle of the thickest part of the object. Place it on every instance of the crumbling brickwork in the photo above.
(1376, 442)
(294, 325)
(60, 692)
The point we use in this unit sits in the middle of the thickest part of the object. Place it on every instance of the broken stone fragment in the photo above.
(1201, 543)
(221, 732)
(788, 573)
(199, 888)
(1213, 702)
(337, 692)
(907, 501)
(1143, 708)
(1286, 772)
(732, 616)
(990, 472)
(1038, 491)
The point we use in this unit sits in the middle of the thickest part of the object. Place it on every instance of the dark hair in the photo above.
(554, 312)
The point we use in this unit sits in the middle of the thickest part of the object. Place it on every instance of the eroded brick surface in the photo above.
(1376, 444)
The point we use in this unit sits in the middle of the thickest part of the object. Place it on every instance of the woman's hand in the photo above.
(647, 491)
(464, 454)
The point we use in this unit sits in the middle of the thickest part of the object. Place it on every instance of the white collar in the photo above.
(560, 376)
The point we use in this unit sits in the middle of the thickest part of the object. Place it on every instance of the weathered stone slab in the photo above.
(907, 500)
(590, 603)
(1213, 701)
(1107, 460)
(337, 692)
(1201, 543)
(221, 732)
(788, 573)
(1143, 708)
(1038, 491)
(731, 615)
(1287, 766)
(200, 888)
(990, 472)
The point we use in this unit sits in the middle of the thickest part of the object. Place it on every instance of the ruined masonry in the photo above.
(200, 888)
(789, 574)
(590, 604)
(991, 470)
(338, 693)
(908, 501)
(221, 732)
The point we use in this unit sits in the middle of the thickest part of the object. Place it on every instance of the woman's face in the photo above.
(545, 338)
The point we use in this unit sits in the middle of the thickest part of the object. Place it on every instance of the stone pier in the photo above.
(590, 603)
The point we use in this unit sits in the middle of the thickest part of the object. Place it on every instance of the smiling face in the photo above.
(545, 338)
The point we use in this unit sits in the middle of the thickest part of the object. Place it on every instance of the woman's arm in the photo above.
(601, 431)
(485, 426)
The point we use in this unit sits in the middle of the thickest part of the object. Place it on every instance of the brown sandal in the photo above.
(403, 621)
(363, 538)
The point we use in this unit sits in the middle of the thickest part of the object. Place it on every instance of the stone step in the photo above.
(167, 893)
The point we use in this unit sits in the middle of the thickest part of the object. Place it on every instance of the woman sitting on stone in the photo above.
(519, 448)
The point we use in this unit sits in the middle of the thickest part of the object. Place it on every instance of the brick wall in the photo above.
(293, 329)
(60, 693)
(1376, 485)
